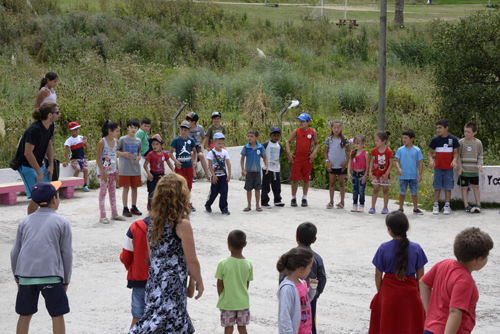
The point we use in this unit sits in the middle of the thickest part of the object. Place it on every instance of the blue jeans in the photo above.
(443, 179)
(412, 184)
(138, 302)
(358, 188)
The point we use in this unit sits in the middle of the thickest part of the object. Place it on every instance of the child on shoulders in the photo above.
(358, 164)
(272, 180)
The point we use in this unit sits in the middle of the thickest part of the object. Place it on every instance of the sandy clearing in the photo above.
(99, 299)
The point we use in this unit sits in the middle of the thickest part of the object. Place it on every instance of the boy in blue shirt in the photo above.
(409, 162)
(253, 151)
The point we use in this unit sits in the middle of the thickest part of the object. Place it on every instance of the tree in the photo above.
(467, 71)
(398, 14)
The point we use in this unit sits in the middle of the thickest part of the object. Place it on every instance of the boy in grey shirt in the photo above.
(198, 133)
(42, 259)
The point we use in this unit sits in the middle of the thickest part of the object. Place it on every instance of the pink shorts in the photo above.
(231, 318)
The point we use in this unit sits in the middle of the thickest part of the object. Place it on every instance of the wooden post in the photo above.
(382, 63)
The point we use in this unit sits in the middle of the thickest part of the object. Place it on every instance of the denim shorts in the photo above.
(138, 303)
(443, 179)
(404, 184)
(28, 175)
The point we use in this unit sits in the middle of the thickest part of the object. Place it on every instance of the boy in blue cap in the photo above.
(42, 259)
(272, 180)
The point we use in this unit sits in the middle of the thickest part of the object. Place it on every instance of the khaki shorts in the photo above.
(231, 318)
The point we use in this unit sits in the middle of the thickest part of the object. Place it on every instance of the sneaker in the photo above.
(402, 210)
(294, 202)
(384, 211)
(446, 210)
(120, 218)
(225, 212)
(208, 209)
(86, 189)
(126, 213)
(279, 204)
(435, 210)
(354, 208)
(476, 209)
(104, 220)
(418, 212)
(135, 211)
(304, 202)
(193, 209)
(361, 208)
(468, 209)
(266, 206)
(195, 179)
(372, 211)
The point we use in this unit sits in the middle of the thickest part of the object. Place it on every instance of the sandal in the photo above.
(247, 209)
(258, 209)
(329, 205)
(340, 205)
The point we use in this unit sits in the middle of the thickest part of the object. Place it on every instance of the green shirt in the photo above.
(37, 281)
(143, 136)
(213, 130)
(235, 273)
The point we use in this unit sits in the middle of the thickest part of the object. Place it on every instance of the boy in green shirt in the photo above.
(142, 134)
(216, 127)
(233, 275)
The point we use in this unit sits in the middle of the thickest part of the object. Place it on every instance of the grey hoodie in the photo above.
(289, 307)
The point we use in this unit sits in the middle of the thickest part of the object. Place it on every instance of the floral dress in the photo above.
(166, 289)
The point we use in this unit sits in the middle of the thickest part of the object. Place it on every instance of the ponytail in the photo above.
(296, 258)
(361, 138)
(108, 125)
(43, 112)
(399, 225)
(49, 76)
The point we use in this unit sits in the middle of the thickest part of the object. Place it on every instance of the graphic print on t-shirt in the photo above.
(106, 163)
(184, 151)
(381, 162)
(132, 148)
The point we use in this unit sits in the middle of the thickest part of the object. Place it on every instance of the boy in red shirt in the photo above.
(157, 158)
(302, 158)
(134, 256)
(449, 292)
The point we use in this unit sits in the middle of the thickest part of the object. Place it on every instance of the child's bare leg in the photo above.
(134, 320)
(249, 198)
(257, 199)
(332, 186)
(305, 187)
(342, 188)
(402, 200)
(203, 162)
(23, 324)
(134, 195)
(228, 330)
(125, 196)
(477, 196)
(385, 191)
(376, 189)
(295, 186)
(465, 196)
(436, 195)
(242, 329)
(414, 198)
(77, 172)
(194, 158)
(86, 175)
(32, 207)
(447, 195)
(58, 326)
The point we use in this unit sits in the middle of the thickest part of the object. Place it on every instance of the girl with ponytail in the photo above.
(294, 295)
(46, 91)
(399, 265)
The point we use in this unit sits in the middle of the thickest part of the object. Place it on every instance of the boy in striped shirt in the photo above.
(470, 163)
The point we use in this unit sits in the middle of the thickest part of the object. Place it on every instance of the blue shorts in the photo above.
(404, 184)
(443, 179)
(28, 175)
(138, 302)
(56, 300)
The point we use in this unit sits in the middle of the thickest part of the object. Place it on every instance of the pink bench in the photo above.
(8, 190)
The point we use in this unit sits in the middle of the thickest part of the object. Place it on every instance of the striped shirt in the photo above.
(470, 155)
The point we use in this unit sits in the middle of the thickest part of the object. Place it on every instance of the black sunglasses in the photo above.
(54, 112)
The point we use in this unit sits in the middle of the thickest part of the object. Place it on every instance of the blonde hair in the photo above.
(170, 205)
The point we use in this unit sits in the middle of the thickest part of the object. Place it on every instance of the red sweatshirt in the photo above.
(135, 254)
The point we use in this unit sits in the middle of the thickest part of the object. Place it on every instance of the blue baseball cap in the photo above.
(43, 192)
(304, 117)
(275, 129)
(219, 135)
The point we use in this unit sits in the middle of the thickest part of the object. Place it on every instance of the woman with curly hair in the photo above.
(173, 254)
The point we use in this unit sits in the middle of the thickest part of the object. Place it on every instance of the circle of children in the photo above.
(407, 301)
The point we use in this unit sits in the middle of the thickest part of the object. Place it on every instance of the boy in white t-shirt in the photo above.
(272, 180)
(76, 143)
(220, 169)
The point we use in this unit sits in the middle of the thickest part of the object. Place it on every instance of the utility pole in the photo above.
(382, 64)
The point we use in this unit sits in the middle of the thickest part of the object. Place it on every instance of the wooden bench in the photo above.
(8, 190)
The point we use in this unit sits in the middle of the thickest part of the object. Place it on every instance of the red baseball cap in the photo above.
(73, 125)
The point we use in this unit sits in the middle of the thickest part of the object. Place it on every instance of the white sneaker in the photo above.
(361, 208)
(267, 206)
(435, 210)
(354, 208)
(279, 204)
(446, 210)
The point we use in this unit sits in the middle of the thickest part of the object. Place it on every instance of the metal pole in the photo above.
(283, 111)
(382, 62)
(322, 8)
(174, 118)
(345, 10)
